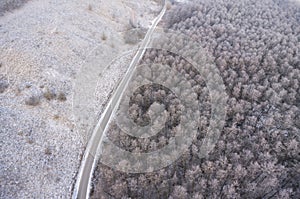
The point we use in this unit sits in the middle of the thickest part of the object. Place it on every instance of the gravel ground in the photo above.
(51, 50)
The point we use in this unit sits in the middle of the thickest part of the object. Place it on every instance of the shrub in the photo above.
(62, 96)
(133, 36)
(104, 37)
(49, 93)
(33, 100)
(3, 85)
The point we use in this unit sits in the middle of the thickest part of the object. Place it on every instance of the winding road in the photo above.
(82, 186)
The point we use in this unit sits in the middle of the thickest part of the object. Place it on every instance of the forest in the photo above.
(255, 46)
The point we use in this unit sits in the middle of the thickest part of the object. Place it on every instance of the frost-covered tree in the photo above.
(256, 47)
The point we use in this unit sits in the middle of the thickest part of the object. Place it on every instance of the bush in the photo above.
(134, 36)
(104, 37)
(49, 93)
(33, 100)
(62, 96)
(3, 85)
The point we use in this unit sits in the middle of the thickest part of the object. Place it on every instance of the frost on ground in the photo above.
(46, 48)
(38, 156)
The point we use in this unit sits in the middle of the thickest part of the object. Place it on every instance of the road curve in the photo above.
(82, 186)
